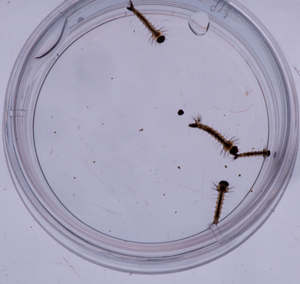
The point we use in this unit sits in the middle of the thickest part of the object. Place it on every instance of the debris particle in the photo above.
(298, 71)
(180, 112)
(178, 167)
(141, 130)
(234, 111)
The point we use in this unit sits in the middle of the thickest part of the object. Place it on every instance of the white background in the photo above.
(29, 255)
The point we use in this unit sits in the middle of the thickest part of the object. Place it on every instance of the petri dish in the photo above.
(97, 137)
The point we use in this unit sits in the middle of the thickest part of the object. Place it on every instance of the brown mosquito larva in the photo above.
(228, 145)
(157, 35)
(264, 153)
(222, 188)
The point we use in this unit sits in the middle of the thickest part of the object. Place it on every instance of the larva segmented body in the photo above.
(264, 153)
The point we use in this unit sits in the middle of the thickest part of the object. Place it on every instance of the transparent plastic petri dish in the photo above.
(98, 137)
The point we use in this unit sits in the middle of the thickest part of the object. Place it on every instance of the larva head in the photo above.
(161, 39)
(224, 183)
(223, 186)
(233, 151)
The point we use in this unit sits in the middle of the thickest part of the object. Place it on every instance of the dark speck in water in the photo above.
(180, 112)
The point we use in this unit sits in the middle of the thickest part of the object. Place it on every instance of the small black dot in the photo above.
(180, 112)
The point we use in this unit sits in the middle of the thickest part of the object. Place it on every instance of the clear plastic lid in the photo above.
(98, 139)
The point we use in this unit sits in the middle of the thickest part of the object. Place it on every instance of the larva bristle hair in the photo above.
(228, 145)
(265, 153)
(222, 188)
(156, 34)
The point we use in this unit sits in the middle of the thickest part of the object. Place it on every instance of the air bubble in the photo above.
(51, 38)
(199, 23)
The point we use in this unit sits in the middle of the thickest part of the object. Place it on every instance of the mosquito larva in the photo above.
(228, 145)
(157, 35)
(222, 188)
(264, 153)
